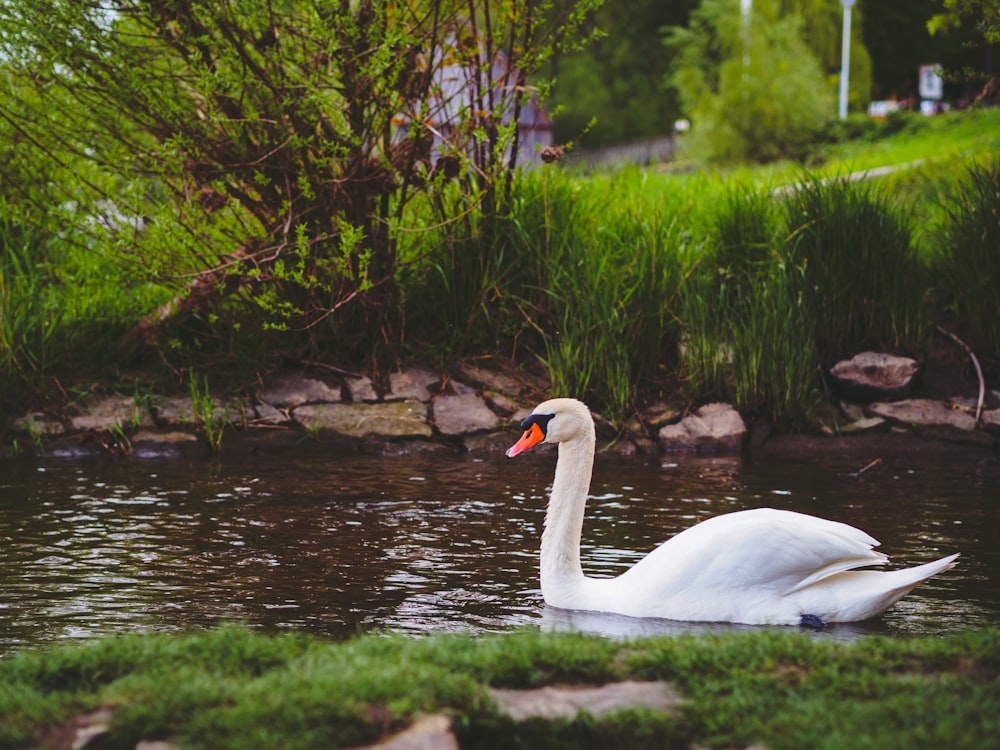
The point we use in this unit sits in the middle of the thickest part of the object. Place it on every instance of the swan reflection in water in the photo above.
(611, 625)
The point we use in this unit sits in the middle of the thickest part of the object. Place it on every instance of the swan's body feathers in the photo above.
(761, 566)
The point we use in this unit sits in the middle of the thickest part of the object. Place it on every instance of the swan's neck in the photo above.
(560, 556)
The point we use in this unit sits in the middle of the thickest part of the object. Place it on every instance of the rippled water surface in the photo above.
(340, 545)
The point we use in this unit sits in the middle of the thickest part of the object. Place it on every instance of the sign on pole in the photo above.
(931, 84)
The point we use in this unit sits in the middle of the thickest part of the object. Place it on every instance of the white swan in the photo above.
(761, 566)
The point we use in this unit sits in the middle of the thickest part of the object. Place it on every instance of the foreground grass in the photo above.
(233, 688)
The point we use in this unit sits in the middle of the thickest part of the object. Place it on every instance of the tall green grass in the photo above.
(966, 260)
(29, 316)
(791, 282)
(63, 305)
(864, 285)
(608, 311)
(748, 338)
(582, 276)
(617, 282)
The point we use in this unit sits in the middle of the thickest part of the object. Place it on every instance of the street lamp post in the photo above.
(746, 7)
(845, 57)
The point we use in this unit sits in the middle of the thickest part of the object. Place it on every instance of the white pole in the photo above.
(746, 6)
(845, 57)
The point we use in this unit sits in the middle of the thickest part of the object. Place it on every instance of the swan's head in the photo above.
(556, 421)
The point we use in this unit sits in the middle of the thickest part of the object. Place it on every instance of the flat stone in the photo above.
(392, 419)
(488, 380)
(659, 414)
(180, 412)
(362, 389)
(413, 383)
(923, 412)
(268, 414)
(871, 376)
(176, 411)
(431, 732)
(865, 424)
(39, 424)
(295, 389)
(112, 412)
(565, 702)
(501, 404)
(458, 388)
(716, 428)
(174, 437)
(458, 415)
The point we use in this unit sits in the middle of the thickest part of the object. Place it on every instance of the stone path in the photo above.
(434, 731)
(550, 703)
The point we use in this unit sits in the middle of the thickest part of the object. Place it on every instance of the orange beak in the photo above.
(532, 436)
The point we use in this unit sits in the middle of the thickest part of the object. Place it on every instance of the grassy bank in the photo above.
(232, 688)
(740, 285)
(620, 287)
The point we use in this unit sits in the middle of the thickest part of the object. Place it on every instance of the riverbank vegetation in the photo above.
(231, 207)
(738, 284)
(776, 688)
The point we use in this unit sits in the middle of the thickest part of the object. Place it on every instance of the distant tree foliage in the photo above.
(981, 20)
(752, 91)
(984, 13)
(822, 30)
(615, 90)
(897, 35)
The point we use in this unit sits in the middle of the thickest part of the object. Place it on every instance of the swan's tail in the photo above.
(912, 577)
(856, 595)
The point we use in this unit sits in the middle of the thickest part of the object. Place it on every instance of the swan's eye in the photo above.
(542, 420)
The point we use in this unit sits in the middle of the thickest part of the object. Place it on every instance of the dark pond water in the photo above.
(341, 545)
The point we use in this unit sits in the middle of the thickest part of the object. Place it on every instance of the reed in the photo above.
(64, 303)
(581, 273)
(29, 320)
(864, 286)
(966, 260)
(746, 338)
(608, 290)
(787, 286)
(602, 277)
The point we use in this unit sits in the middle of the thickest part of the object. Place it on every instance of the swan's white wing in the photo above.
(754, 553)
